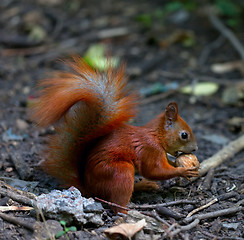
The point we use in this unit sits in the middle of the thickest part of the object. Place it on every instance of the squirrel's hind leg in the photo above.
(113, 182)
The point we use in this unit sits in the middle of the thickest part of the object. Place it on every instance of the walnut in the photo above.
(187, 160)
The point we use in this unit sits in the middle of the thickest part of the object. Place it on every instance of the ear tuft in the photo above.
(171, 111)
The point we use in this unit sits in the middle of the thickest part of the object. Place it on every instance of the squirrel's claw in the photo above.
(189, 172)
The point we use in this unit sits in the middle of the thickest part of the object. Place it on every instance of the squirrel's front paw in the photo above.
(188, 165)
(188, 172)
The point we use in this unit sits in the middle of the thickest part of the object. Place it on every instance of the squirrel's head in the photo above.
(177, 136)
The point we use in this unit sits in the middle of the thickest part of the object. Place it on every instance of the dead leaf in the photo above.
(9, 169)
(21, 124)
(127, 230)
(228, 67)
(234, 95)
(201, 89)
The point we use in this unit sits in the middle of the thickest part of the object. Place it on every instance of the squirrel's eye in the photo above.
(184, 135)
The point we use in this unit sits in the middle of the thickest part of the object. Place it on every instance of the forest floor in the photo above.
(171, 48)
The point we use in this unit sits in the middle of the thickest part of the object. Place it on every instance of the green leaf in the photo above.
(201, 89)
(59, 234)
(103, 64)
(173, 6)
(190, 5)
(62, 222)
(95, 51)
(159, 14)
(95, 57)
(145, 19)
(189, 40)
(233, 22)
(73, 229)
(228, 8)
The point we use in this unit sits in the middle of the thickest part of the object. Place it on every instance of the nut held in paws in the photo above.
(187, 160)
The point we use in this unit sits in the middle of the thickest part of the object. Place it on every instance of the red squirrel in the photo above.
(94, 148)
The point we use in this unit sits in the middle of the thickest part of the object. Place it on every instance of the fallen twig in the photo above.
(176, 75)
(202, 207)
(164, 211)
(212, 236)
(17, 221)
(41, 218)
(113, 32)
(224, 154)
(212, 201)
(216, 22)
(155, 215)
(167, 204)
(228, 195)
(14, 208)
(17, 195)
(215, 214)
(184, 228)
(208, 179)
(209, 48)
(112, 204)
(21, 166)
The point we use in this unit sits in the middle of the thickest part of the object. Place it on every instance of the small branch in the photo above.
(167, 204)
(216, 22)
(155, 215)
(169, 227)
(212, 236)
(183, 75)
(209, 48)
(14, 208)
(240, 202)
(184, 228)
(215, 214)
(224, 154)
(17, 195)
(164, 211)
(227, 195)
(112, 204)
(208, 179)
(17, 221)
(202, 207)
(21, 166)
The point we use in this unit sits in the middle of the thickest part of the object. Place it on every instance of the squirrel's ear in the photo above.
(171, 111)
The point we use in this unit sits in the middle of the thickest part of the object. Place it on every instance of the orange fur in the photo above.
(94, 149)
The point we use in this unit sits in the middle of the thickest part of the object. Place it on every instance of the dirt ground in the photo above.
(34, 35)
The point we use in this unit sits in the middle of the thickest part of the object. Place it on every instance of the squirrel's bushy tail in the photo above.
(83, 106)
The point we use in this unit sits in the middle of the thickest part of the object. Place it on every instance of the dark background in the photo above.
(161, 42)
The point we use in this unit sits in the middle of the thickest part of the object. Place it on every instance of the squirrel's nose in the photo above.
(195, 148)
